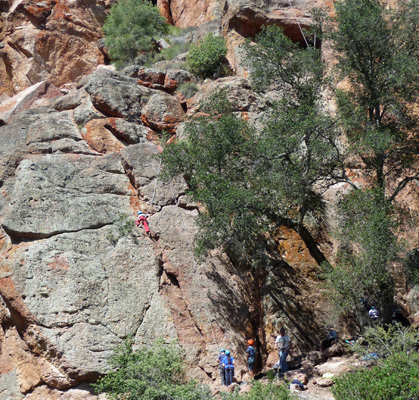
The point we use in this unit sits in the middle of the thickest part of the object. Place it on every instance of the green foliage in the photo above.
(381, 64)
(368, 250)
(276, 60)
(395, 378)
(131, 28)
(388, 341)
(206, 59)
(252, 183)
(123, 226)
(377, 49)
(152, 373)
(262, 391)
(188, 89)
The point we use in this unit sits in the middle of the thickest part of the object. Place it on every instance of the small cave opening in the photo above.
(250, 24)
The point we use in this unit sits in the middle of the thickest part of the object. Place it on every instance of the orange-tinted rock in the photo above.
(49, 40)
(151, 78)
(162, 113)
(164, 7)
(101, 139)
(15, 354)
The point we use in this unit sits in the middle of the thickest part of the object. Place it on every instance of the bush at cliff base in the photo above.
(394, 378)
(207, 58)
(152, 373)
(262, 391)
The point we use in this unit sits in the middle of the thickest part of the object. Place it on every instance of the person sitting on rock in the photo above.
(228, 364)
(142, 220)
(251, 356)
(330, 338)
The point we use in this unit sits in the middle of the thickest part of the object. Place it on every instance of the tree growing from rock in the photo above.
(132, 27)
(251, 183)
(207, 58)
(377, 49)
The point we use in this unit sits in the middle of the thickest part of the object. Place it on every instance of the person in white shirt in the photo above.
(283, 344)
(373, 313)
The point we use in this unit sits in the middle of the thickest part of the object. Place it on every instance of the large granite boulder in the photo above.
(116, 95)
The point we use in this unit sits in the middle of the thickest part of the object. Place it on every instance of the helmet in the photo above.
(282, 330)
(372, 307)
(222, 351)
(227, 352)
(140, 212)
(250, 342)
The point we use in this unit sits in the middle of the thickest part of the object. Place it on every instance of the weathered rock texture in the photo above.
(77, 160)
(76, 276)
(50, 40)
(60, 41)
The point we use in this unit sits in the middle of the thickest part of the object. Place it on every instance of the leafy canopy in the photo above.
(253, 182)
(207, 57)
(131, 28)
(369, 247)
(152, 373)
(396, 378)
(377, 49)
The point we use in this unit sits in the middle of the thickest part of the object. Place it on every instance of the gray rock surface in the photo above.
(116, 95)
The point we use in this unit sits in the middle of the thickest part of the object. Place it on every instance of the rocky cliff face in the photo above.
(77, 277)
(79, 147)
(58, 41)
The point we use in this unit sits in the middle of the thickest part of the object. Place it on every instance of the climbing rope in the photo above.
(155, 185)
(298, 23)
(195, 266)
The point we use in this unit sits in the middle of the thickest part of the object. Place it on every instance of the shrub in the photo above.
(261, 391)
(131, 28)
(188, 89)
(123, 226)
(387, 341)
(207, 58)
(152, 373)
(395, 378)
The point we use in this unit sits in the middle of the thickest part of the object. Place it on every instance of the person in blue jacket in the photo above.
(228, 364)
(251, 355)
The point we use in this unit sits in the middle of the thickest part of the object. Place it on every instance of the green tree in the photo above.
(152, 373)
(369, 247)
(207, 58)
(377, 50)
(251, 183)
(132, 27)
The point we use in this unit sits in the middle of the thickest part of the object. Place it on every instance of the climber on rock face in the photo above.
(142, 220)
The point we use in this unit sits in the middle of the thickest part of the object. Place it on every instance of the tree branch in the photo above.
(402, 185)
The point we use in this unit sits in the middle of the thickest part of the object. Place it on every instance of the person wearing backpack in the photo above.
(228, 364)
(221, 366)
(251, 356)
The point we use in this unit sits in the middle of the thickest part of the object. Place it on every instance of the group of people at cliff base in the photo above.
(226, 361)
